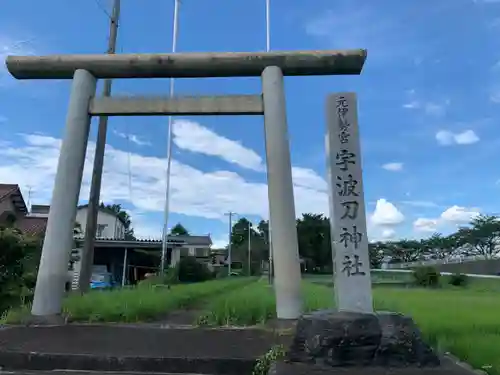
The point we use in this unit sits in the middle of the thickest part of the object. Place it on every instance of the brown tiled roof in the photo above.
(6, 190)
(13, 191)
(32, 225)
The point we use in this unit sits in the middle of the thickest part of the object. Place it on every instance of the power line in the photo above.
(104, 10)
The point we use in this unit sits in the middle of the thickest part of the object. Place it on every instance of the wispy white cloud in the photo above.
(10, 46)
(446, 138)
(132, 138)
(191, 136)
(429, 108)
(350, 24)
(394, 167)
(454, 215)
(32, 161)
(422, 204)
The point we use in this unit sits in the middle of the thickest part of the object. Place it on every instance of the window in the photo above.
(201, 252)
(184, 252)
(100, 229)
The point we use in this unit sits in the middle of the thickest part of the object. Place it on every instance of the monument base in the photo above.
(330, 338)
(44, 320)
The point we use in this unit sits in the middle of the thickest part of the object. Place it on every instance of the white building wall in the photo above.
(108, 225)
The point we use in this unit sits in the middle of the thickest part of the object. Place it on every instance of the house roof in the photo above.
(104, 209)
(146, 243)
(13, 192)
(32, 225)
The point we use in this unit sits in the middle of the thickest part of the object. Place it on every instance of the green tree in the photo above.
(377, 251)
(313, 233)
(404, 251)
(481, 238)
(124, 216)
(19, 258)
(179, 230)
(243, 231)
(438, 246)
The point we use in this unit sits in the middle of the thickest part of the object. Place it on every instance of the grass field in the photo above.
(463, 321)
(143, 303)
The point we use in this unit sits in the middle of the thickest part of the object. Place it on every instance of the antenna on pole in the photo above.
(169, 146)
(29, 198)
(268, 25)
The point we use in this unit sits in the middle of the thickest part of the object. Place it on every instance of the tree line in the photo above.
(480, 237)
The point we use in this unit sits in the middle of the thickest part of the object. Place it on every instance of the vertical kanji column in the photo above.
(287, 278)
(58, 243)
(351, 260)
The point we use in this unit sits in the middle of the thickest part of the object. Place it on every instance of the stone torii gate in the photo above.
(84, 70)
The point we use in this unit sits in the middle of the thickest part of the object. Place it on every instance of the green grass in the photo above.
(463, 321)
(143, 303)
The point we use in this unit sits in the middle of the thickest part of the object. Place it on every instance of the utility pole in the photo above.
(95, 186)
(249, 249)
(230, 230)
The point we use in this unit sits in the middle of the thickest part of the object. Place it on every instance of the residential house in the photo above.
(126, 260)
(14, 212)
(109, 224)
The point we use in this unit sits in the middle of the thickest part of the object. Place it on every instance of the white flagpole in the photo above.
(169, 146)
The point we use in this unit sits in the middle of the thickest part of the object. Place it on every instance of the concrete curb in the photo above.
(11, 361)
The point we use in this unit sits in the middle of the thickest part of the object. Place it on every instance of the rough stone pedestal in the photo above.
(328, 340)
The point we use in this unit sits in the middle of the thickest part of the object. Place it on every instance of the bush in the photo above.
(459, 279)
(189, 270)
(426, 276)
(19, 257)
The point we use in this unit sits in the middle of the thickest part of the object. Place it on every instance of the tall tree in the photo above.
(438, 246)
(242, 231)
(179, 230)
(313, 233)
(481, 238)
(124, 216)
(404, 251)
(377, 251)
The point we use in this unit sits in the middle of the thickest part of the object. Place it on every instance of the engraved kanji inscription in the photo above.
(352, 266)
(350, 210)
(342, 106)
(347, 187)
(351, 237)
(344, 158)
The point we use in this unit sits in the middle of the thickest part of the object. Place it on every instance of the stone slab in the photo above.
(126, 349)
(337, 338)
(448, 367)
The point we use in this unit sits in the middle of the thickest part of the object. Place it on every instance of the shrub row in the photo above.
(428, 276)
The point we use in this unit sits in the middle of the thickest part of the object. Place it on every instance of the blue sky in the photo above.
(429, 100)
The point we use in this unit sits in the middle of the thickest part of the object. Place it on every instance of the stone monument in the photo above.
(352, 335)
